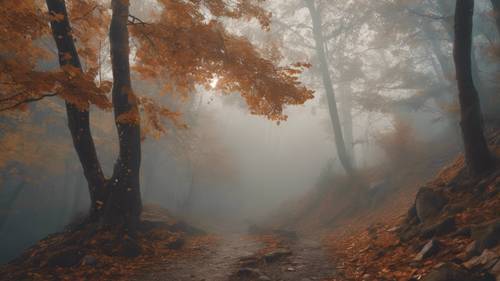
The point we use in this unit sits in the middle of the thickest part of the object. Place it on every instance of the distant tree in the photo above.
(496, 10)
(319, 39)
(477, 154)
(178, 46)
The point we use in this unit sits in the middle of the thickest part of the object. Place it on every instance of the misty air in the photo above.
(240, 140)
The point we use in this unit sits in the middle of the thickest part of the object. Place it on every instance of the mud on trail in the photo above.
(238, 257)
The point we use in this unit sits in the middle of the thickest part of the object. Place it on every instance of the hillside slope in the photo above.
(450, 233)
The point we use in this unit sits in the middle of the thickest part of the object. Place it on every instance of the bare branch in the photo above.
(133, 20)
(33, 99)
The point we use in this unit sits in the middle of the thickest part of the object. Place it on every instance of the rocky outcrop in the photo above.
(487, 235)
(429, 204)
(431, 248)
(452, 272)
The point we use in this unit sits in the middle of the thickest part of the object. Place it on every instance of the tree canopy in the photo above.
(182, 45)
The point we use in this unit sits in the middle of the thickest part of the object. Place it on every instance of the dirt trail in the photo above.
(307, 262)
(213, 265)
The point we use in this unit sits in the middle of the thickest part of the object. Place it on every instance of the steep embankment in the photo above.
(450, 233)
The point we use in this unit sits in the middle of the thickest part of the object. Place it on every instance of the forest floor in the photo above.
(249, 257)
(461, 237)
(451, 228)
(173, 251)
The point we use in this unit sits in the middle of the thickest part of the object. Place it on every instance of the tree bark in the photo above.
(124, 203)
(78, 120)
(445, 7)
(477, 154)
(328, 85)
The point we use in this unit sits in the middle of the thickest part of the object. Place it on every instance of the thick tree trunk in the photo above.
(328, 85)
(477, 155)
(124, 203)
(445, 8)
(78, 120)
(116, 201)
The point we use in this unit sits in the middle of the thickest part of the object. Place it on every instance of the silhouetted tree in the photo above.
(477, 154)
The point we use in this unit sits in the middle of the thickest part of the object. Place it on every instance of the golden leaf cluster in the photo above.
(182, 45)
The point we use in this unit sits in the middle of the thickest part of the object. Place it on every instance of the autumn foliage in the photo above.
(180, 46)
(25, 52)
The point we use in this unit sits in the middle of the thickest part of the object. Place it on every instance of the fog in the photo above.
(228, 167)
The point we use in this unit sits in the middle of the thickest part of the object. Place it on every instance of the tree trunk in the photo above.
(78, 120)
(116, 201)
(327, 83)
(445, 7)
(123, 206)
(347, 125)
(496, 10)
(477, 155)
(445, 63)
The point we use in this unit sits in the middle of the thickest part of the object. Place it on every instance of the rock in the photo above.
(471, 250)
(291, 269)
(428, 204)
(451, 272)
(430, 249)
(393, 229)
(491, 264)
(487, 236)
(443, 227)
(495, 270)
(264, 278)
(412, 214)
(177, 244)
(486, 257)
(455, 209)
(274, 256)
(65, 258)
(89, 260)
(249, 272)
(463, 232)
(408, 233)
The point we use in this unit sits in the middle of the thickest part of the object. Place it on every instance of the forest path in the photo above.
(308, 261)
(225, 262)
(215, 264)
